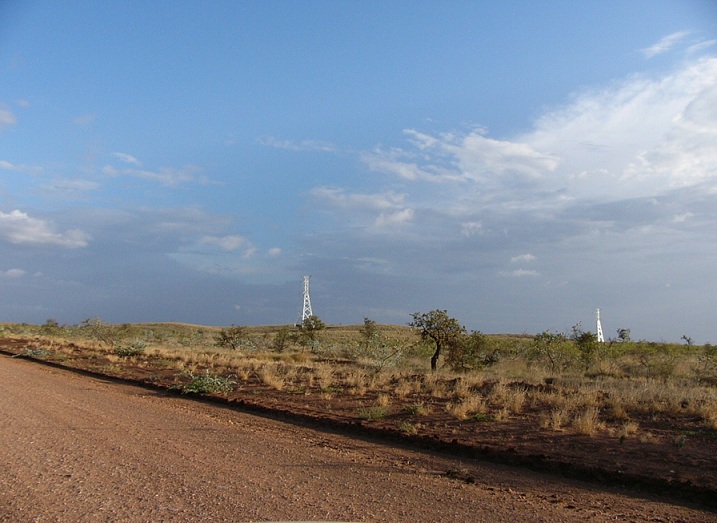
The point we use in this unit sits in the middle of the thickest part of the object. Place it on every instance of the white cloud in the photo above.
(6, 118)
(665, 44)
(274, 252)
(345, 200)
(521, 273)
(13, 273)
(471, 228)
(19, 228)
(226, 243)
(394, 218)
(127, 158)
(72, 186)
(304, 145)
(641, 137)
(404, 164)
(522, 258)
(168, 176)
(25, 169)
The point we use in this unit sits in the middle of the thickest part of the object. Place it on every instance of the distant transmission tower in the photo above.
(600, 336)
(306, 309)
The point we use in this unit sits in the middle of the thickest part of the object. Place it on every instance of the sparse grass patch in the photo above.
(587, 422)
(372, 413)
(383, 400)
(467, 407)
(555, 419)
(408, 428)
(270, 376)
(416, 409)
(627, 429)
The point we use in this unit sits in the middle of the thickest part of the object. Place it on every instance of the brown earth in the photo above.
(82, 448)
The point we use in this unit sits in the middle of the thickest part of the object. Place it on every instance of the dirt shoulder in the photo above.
(81, 448)
(680, 469)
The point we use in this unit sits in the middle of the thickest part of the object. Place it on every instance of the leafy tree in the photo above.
(587, 344)
(233, 337)
(101, 331)
(369, 332)
(471, 352)
(438, 327)
(553, 349)
(623, 335)
(281, 339)
(309, 331)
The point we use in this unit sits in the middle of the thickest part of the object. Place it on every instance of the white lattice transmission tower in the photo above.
(306, 311)
(598, 327)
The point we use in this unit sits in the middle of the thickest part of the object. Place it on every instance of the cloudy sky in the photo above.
(517, 163)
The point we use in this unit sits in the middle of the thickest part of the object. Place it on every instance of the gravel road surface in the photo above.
(78, 448)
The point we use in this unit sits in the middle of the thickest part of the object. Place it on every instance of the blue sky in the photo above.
(519, 164)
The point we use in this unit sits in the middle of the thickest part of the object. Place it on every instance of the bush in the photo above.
(472, 352)
(135, 349)
(208, 384)
(233, 337)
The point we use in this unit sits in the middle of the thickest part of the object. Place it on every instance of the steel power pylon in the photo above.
(600, 336)
(306, 311)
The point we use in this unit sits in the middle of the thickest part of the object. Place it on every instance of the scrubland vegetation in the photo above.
(565, 381)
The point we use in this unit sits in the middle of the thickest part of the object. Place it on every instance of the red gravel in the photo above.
(77, 448)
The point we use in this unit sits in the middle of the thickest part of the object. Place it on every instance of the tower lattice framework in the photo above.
(306, 311)
(600, 336)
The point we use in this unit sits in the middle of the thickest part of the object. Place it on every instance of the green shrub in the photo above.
(208, 384)
(135, 349)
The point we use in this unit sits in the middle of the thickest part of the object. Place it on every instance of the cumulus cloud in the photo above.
(19, 228)
(405, 164)
(640, 137)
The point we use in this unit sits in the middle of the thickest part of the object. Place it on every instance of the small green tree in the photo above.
(588, 346)
(471, 352)
(309, 330)
(369, 332)
(232, 337)
(623, 335)
(552, 349)
(438, 327)
(101, 331)
(281, 339)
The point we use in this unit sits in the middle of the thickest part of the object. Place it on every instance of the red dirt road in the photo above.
(76, 448)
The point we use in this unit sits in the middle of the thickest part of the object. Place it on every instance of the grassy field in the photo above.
(619, 383)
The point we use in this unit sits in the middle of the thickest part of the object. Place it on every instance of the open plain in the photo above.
(82, 448)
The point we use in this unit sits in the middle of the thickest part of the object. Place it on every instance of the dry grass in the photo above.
(587, 422)
(555, 419)
(626, 385)
(467, 407)
(270, 376)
